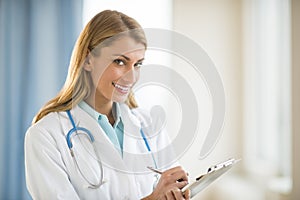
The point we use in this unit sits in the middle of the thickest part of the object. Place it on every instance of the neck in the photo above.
(101, 105)
(104, 108)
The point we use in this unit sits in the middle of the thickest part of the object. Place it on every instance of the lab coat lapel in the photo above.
(131, 130)
(135, 153)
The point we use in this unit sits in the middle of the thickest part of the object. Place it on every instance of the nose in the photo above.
(131, 76)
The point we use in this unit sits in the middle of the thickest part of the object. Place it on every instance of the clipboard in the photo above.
(214, 172)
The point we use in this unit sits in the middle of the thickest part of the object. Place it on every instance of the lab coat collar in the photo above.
(132, 144)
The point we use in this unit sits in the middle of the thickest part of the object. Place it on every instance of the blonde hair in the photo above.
(78, 84)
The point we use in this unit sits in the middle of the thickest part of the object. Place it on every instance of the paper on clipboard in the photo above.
(204, 180)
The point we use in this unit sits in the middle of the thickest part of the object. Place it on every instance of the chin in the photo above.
(120, 99)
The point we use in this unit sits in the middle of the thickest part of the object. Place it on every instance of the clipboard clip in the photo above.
(216, 167)
(223, 164)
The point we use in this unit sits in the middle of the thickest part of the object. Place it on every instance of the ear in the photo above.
(88, 63)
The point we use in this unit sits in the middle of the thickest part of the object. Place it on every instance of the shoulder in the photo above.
(155, 117)
(142, 114)
(137, 115)
(47, 122)
(45, 129)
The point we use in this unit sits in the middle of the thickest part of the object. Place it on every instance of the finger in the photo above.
(173, 170)
(169, 195)
(187, 194)
(176, 174)
(179, 169)
(163, 198)
(187, 174)
(180, 176)
(181, 185)
(177, 193)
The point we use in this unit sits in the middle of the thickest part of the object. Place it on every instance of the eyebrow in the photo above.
(127, 58)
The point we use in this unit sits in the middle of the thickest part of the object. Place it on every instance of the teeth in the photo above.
(125, 89)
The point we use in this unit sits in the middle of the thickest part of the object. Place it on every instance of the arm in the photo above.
(46, 175)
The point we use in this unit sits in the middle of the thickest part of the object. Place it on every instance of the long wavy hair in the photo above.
(78, 84)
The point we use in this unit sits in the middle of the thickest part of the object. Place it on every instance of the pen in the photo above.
(154, 170)
(159, 172)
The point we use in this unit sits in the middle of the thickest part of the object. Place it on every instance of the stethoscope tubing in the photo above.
(75, 128)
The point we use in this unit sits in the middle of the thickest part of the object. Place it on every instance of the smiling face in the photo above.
(115, 70)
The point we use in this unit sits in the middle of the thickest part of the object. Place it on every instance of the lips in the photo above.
(124, 89)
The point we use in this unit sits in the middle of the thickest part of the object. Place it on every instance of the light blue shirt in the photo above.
(116, 132)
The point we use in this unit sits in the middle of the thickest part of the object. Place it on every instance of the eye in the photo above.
(119, 62)
(138, 65)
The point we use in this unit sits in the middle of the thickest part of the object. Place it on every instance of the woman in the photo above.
(89, 142)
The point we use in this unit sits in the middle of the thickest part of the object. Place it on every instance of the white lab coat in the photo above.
(52, 174)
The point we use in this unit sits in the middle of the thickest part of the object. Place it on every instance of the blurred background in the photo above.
(254, 45)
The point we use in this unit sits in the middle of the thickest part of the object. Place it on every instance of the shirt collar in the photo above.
(95, 115)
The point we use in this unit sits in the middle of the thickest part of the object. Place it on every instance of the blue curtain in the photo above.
(36, 40)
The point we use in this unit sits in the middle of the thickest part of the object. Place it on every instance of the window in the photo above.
(267, 87)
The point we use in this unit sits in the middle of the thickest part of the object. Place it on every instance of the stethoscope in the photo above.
(74, 130)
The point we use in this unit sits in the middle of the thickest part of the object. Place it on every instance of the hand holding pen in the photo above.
(170, 184)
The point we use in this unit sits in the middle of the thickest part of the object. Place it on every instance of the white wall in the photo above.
(216, 26)
(142, 11)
